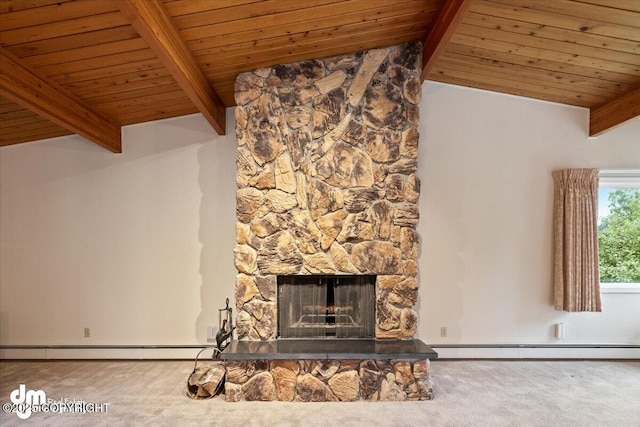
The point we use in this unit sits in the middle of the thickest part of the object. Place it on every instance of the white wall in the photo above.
(139, 246)
(485, 163)
(136, 246)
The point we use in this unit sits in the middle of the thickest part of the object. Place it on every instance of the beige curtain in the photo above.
(575, 221)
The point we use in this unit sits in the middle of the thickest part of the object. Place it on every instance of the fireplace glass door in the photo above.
(326, 306)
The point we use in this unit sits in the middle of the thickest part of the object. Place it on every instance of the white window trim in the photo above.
(620, 178)
(620, 288)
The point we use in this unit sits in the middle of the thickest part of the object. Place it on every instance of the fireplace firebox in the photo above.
(326, 306)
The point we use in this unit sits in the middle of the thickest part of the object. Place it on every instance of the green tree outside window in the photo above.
(619, 238)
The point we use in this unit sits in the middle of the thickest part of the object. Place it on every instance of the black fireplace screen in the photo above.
(326, 306)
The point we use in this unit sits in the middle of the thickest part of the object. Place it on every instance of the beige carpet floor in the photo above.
(467, 393)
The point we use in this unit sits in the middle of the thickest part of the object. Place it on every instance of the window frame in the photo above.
(620, 178)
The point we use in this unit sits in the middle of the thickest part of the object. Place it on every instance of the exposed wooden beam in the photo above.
(614, 113)
(155, 26)
(44, 97)
(444, 26)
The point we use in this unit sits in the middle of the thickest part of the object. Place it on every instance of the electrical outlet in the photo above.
(211, 334)
(87, 332)
(560, 330)
(443, 331)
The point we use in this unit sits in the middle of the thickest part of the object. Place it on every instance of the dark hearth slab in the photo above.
(291, 349)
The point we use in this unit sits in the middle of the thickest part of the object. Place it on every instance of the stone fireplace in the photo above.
(326, 177)
(327, 200)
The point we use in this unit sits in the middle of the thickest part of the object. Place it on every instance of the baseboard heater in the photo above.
(102, 347)
(549, 351)
(445, 351)
(533, 345)
(196, 346)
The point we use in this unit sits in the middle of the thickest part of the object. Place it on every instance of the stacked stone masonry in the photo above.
(328, 380)
(326, 181)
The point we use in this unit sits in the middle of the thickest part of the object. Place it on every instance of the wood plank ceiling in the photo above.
(91, 66)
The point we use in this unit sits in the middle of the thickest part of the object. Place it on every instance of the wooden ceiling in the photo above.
(91, 66)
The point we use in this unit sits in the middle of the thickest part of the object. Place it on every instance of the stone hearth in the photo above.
(328, 370)
(328, 380)
(326, 177)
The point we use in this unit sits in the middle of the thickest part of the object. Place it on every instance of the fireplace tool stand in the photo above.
(208, 381)
(225, 333)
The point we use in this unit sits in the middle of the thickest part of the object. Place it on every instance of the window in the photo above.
(619, 231)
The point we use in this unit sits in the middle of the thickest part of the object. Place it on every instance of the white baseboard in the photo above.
(450, 352)
(538, 353)
(100, 353)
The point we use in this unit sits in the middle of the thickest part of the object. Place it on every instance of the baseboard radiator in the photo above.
(445, 351)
